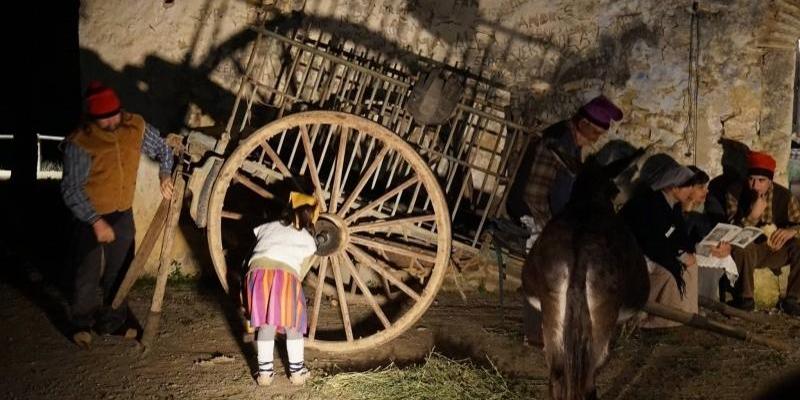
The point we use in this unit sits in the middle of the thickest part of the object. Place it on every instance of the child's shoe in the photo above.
(300, 377)
(265, 374)
(265, 378)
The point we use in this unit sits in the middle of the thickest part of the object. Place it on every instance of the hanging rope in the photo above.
(693, 86)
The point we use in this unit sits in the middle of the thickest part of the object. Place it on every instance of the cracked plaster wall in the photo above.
(170, 63)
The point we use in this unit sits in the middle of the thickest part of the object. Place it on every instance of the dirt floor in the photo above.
(200, 353)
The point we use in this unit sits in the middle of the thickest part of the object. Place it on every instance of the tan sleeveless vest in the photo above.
(115, 162)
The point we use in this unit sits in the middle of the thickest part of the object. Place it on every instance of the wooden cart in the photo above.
(402, 201)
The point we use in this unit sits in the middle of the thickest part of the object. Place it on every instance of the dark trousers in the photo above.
(759, 255)
(101, 267)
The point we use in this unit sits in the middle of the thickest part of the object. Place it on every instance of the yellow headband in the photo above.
(301, 199)
(298, 199)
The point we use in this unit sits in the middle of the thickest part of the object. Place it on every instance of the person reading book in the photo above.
(654, 215)
(701, 214)
(763, 203)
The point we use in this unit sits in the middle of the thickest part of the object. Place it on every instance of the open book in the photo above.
(735, 235)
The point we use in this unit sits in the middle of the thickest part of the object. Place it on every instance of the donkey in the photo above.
(585, 273)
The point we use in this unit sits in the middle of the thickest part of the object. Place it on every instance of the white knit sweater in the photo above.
(283, 243)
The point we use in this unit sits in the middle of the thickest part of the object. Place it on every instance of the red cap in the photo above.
(760, 164)
(101, 101)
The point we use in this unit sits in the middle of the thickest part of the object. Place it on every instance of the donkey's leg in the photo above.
(553, 349)
(603, 307)
(532, 320)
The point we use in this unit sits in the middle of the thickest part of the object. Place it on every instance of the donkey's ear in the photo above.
(615, 168)
(567, 161)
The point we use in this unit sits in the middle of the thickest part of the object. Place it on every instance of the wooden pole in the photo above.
(729, 311)
(154, 316)
(143, 253)
(698, 321)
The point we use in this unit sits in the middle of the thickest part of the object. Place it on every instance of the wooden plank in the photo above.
(176, 204)
(700, 322)
(142, 253)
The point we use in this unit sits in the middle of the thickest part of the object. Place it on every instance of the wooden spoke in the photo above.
(391, 247)
(365, 289)
(386, 288)
(276, 160)
(337, 276)
(248, 183)
(362, 182)
(374, 226)
(381, 268)
(323, 269)
(232, 215)
(405, 185)
(312, 167)
(332, 165)
(337, 177)
(356, 150)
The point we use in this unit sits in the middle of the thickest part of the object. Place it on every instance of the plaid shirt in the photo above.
(766, 217)
(77, 164)
(542, 177)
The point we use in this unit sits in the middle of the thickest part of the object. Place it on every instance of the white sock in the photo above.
(294, 348)
(265, 345)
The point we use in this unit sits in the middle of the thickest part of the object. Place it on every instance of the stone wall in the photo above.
(180, 65)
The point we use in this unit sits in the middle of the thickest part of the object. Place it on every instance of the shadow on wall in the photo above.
(562, 69)
(163, 90)
(589, 56)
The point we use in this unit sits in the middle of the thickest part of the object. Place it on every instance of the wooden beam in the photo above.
(700, 322)
(143, 253)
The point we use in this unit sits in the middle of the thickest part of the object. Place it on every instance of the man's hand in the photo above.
(166, 187)
(779, 238)
(103, 231)
(722, 250)
(758, 207)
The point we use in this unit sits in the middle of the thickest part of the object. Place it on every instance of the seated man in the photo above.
(762, 203)
(654, 216)
(542, 185)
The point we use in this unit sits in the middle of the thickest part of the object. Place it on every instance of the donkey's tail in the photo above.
(577, 334)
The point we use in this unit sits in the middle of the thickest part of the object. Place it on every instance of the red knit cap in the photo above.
(760, 164)
(101, 101)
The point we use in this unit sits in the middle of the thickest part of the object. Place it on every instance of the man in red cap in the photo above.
(764, 203)
(101, 161)
(542, 184)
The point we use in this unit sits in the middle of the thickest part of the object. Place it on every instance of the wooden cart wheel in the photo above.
(383, 236)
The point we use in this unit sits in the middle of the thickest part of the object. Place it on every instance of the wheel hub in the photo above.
(331, 234)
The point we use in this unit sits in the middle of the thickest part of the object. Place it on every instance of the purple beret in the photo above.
(600, 111)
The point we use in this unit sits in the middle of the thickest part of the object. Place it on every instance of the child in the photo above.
(275, 296)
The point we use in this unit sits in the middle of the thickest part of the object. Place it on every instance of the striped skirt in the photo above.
(275, 297)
